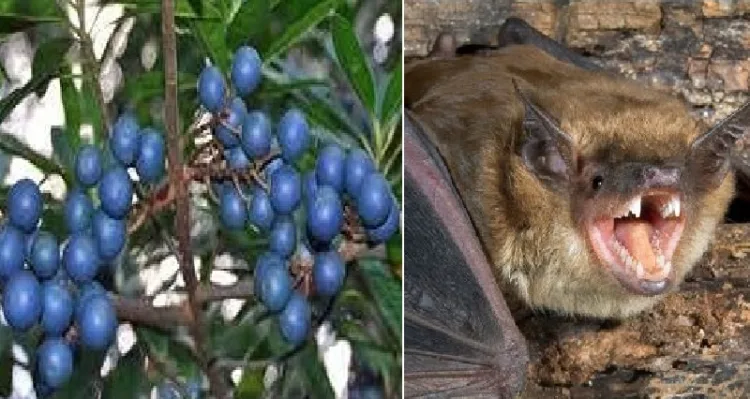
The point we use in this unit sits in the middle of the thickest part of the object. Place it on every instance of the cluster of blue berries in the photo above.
(54, 286)
(298, 212)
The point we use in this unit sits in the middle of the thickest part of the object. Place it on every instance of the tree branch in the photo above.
(182, 202)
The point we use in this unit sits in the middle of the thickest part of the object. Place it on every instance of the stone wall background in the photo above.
(699, 49)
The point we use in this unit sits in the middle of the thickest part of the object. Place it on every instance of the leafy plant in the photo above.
(310, 59)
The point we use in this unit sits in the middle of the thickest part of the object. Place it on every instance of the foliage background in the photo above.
(318, 55)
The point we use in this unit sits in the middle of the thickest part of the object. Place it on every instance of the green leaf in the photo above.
(353, 61)
(128, 379)
(12, 146)
(250, 22)
(391, 105)
(85, 382)
(184, 9)
(71, 107)
(394, 249)
(19, 15)
(211, 35)
(48, 59)
(315, 377)
(150, 85)
(63, 150)
(386, 291)
(251, 385)
(239, 340)
(297, 30)
(378, 359)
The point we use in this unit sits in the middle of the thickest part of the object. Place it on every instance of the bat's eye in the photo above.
(597, 182)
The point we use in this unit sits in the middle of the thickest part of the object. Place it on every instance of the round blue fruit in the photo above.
(325, 215)
(22, 300)
(237, 114)
(256, 135)
(294, 135)
(81, 258)
(116, 192)
(29, 243)
(78, 211)
(358, 165)
(328, 273)
(12, 251)
(246, 70)
(329, 167)
(236, 158)
(261, 212)
(150, 162)
(54, 362)
(125, 141)
(97, 322)
(109, 235)
(233, 210)
(88, 165)
(375, 200)
(275, 288)
(211, 88)
(386, 230)
(24, 205)
(264, 262)
(57, 308)
(45, 255)
(294, 320)
(309, 187)
(283, 239)
(86, 292)
(286, 190)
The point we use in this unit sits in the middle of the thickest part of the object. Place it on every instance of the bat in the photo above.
(592, 195)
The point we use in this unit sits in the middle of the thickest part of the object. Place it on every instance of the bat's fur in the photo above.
(469, 106)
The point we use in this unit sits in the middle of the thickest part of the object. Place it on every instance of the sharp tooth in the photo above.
(666, 210)
(635, 207)
(676, 206)
(639, 270)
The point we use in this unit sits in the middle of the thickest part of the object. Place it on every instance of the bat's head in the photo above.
(638, 207)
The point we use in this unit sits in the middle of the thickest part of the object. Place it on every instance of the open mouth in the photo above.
(637, 242)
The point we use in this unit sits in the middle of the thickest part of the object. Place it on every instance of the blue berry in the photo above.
(45, 255)
(325, 215)
(22, 301)
(109, 235)
(81, 258)
(309, 187)
(233, 210)
(286, 190)
(275, 288)
(386, 230)
(24, 205)
(246, 68)
(329, 167)
(12, 246)
(256, 135)
(328, 273)
(272, 167)
(211, 89)
(150, 162)
(237, 114)
(88, 165)
(125, 140)
(358, 165)
(294, 135)
(264, 262)
(29, 242)
(294, 320)
(261, 212)
(57, 308)
(283, 238)
(97, 322)
(54, 362)
(375, 200)
(87, 291)
(236, 158)
(116, 192)
(78, 211)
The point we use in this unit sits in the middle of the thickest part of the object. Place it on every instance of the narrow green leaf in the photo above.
(353, 61)
(211, 35)
(251, 385)
(250, 22)
(150, 85)
(71, 106)
(385, 290)
(390, 108)
(12, 146)
(184, 9)
(128, 379)
(64, 151)
(18, 15)
(316, 379)
(297, 30)
(48, 59)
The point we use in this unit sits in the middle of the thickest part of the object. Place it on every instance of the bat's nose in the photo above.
(660, 176)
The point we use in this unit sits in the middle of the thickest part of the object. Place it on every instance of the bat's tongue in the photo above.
(637, 237)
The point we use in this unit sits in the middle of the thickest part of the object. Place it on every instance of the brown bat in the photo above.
(592, 194)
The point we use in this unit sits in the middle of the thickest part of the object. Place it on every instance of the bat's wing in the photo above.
(460, 338)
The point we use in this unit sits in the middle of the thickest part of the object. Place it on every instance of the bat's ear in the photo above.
(710, 154)
(546, 150)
